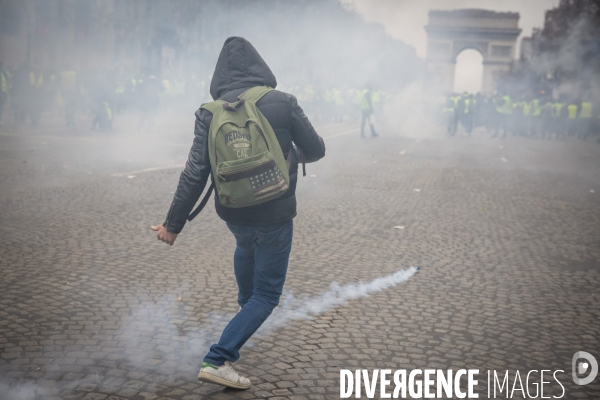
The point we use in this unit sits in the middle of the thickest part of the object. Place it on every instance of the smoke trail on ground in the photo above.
(163, 339)
(159, 339)
(301, 308)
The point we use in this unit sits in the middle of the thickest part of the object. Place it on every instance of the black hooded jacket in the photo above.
(238, 68)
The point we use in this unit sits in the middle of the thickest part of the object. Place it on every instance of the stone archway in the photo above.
(491, 33)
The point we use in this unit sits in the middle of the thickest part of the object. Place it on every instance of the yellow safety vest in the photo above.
(526, 109)
(364, 103)
(557, 109)
(36, 82)
(586, 110)
(572, 109)
(107, 109)
(376, 97)
(536, 108)
(468, 104)
(456, 99)
(505, 108)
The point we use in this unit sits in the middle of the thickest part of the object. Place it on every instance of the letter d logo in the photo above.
(583, 366)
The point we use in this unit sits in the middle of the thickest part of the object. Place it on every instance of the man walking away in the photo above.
(263, 232)
(366, 108)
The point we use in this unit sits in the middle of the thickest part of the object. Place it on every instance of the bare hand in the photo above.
(163, 235)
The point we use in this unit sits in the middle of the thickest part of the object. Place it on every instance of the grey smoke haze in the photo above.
(162, 339)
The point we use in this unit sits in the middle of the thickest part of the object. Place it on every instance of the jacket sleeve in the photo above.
(310, 144)
(194, 176)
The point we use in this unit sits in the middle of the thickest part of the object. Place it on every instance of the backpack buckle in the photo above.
(236, 105)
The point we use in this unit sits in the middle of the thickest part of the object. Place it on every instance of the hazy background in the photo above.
(405, 20)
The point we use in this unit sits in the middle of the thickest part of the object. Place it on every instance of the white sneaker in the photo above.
(224, 375)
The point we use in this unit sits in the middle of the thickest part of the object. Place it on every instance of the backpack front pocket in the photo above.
(250, 181)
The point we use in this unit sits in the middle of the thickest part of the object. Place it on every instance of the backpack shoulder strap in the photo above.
(213, 106)
(195, 213)
(254, 94)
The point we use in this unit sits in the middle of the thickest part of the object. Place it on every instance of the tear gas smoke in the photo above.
(292, 308)
(165, 340)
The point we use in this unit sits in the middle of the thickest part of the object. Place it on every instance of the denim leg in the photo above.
(243, 262)
(272, 246)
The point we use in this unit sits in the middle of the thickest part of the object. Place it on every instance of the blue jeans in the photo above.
(260, 263)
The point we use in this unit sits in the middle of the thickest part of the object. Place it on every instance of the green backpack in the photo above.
(248, 166)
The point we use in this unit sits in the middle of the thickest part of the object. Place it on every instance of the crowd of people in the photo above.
(28, 91)
(534, 116)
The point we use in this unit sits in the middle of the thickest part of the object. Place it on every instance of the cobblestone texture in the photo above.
(509, 251)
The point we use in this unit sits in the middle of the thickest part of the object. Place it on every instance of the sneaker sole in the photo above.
(209, 378)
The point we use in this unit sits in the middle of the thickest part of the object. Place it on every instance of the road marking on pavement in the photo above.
(342, 133)
(140, 171)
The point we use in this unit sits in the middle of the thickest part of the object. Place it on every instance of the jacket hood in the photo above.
(239, 66)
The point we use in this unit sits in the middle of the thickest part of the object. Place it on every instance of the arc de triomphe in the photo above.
(493, 34)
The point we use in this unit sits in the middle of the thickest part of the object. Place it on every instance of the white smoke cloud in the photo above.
(159, 338)
(26, 391)
(302, 308)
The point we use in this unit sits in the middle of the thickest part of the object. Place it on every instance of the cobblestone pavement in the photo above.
(507, 235)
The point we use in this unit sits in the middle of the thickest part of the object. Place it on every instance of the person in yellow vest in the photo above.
(559, 118)
(584, 120)
(572, 111)
(448, 114)
(468, 109)
(366, 109)
(457, 102)
(4, 89)
(504, 111)
(69, 90)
